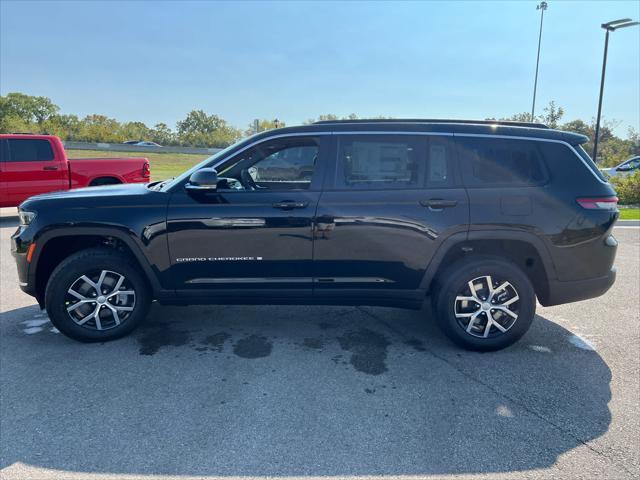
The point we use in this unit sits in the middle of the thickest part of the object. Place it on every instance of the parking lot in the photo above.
(318, 392)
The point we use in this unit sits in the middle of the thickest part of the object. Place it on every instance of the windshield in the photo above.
(211, 161)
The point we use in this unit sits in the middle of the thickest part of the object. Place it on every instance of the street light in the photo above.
(542, 6)
(609, 27)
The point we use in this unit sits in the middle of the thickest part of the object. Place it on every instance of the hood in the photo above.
(103, 194)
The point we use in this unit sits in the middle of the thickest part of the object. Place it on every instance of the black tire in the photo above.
(104, 181)
(455, 282)
(87, 262)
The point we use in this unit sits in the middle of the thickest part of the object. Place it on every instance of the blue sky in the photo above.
(156, 61)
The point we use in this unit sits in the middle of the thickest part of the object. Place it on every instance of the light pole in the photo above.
(542, 6)
(609, 27)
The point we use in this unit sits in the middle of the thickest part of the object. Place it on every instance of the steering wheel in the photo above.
(247, 180)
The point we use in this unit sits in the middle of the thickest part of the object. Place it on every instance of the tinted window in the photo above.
(497, 161)
(380, 161)
(29, 150)
(4, 153)
(587, 159)
(286, 164)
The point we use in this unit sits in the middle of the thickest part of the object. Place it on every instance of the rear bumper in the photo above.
(574, 291)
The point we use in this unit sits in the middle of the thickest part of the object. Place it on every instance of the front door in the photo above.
(384, 212)
(255, 231)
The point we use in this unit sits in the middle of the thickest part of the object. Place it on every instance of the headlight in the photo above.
(26, 217)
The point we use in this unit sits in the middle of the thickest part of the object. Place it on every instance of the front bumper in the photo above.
(574, 291)
(19, 249)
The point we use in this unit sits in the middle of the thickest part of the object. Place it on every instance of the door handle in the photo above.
(289, 205)
(438, 203)
(50, 168)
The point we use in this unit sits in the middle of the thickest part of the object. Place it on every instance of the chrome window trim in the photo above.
(400, 132)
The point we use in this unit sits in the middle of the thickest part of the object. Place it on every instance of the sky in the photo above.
(156, 61)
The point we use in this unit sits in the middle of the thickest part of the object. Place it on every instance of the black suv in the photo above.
(483, 217)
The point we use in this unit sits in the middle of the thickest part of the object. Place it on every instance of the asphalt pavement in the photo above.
(322, 392)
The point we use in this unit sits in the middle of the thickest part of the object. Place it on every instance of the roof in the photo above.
(468, 127)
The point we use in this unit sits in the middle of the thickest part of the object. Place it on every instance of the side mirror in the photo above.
(203, 180)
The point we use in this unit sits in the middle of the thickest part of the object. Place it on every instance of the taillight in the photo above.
(598, 203)
(146, 170)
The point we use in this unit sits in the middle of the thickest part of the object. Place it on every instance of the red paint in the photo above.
(21, 180)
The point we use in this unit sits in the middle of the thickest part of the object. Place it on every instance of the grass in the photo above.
(630, 214)
(163, 165)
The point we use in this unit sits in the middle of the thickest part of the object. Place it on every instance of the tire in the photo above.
(104, 181)
(74, 314)
(465, 321)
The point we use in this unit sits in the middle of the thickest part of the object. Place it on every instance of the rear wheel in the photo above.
(96, 295)
(484, 304)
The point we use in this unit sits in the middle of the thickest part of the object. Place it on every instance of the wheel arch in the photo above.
(524, 249)
(112, 179)
(56, 245)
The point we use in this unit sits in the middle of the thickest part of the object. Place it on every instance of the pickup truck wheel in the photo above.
(96, 295)
(484, 304)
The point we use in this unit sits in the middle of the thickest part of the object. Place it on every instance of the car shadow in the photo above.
(294, 391)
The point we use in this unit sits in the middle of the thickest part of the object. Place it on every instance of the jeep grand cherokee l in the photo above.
(484, 217)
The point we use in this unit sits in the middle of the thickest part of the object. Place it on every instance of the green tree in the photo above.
(264, 125)
(202, 130)
(27, 108)
(162, 134)
(552, 115)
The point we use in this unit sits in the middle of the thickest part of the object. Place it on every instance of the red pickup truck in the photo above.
(33, 164)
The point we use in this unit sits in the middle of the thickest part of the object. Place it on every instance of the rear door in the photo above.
(386, 208)
(32, 168)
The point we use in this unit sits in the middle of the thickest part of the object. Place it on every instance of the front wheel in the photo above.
(484, 304)
(96, 295)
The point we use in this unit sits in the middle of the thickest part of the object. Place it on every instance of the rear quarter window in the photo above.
(587, 160)
(29, 150)
(488, 162)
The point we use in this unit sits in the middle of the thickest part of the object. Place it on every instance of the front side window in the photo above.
(283, 164)
(29, 150)
(380, 161)
(496, 161)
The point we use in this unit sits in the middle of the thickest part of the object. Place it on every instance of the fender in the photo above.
(459, 239)
(121, 234)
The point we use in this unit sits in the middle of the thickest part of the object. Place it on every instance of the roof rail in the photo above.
(506, 123)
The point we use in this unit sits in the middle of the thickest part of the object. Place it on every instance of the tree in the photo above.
(552, 115)
(202, 130)
(27, 108)
(264, 125)
(162, 134)
(134, 131)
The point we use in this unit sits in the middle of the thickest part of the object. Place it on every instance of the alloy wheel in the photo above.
(100, 300)
(487, 307)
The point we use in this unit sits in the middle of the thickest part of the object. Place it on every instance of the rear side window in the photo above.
(587, 159)
(380, 161)
(29, 150)
(4, 151)
(496, 161)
